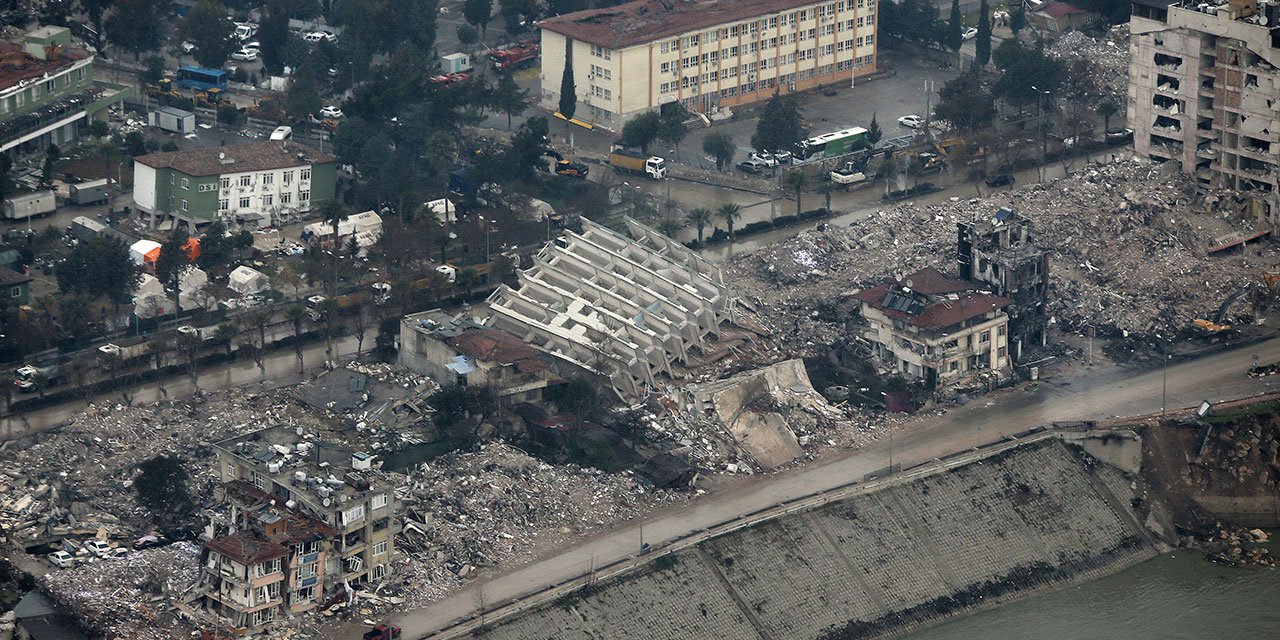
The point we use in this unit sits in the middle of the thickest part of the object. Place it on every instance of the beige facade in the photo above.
(707, 54)
(1204, 80)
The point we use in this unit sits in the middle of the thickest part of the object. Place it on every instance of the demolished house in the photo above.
(472, 355)
(284, 478)
(1000, 251)
(633, 309)
(932, 326)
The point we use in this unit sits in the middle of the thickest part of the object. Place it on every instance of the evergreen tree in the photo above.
(982, 45)
(955, 28)
(568, 91)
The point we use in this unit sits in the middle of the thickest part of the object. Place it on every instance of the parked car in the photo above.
(62, 559)
(150, 541)
(282, 133)
(331, 111)
(763, 157)
(255, 45)
(117, 553)
(97, 548)
(999, 180)
(320, 36)
(1116, 135)
(969, 33)
(245, 55)
(187, 47)
(911, 121)
(574, 169)
(783, 157)
(752, 166)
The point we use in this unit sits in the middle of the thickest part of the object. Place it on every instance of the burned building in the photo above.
(1000, 251)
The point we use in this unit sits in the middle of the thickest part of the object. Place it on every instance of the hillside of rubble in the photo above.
(1129, 247)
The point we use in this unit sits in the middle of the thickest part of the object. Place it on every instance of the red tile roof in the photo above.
(644, 21)
(267, 155)
(935, 311)
(246, 547)
(496, 345)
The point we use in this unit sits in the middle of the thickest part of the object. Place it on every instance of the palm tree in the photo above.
(1106, 110)
(730, 212)
(296, 314)
(700, 218)
(825, 189)
(669, 226)
(797, 181)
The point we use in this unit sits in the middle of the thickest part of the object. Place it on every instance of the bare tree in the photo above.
(360, 324)
(297, 314)
(189, 348)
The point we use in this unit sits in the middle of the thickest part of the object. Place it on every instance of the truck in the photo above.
(91, 192)
(30, 378)
(455, 63)
(205, 334)
(850, 173)
(631, 161)
(517, 56)
(29, 205)
(126, 354)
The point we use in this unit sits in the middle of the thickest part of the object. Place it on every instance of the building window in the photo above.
(173, 179)
(225, 183)
(287, 177)
(380, 548)
(379, 501)
(307, 571)
(984, 337)
(305, 594)
(1003, 353)
(224, 204)
(246, 181)
(184, 204)
(268, 178)
(601, 52)
(244, 202)
(262, 616)
(269, 567)
(354, 514)
(286, 198)
(304, 174)
(15, 292)
(267, 200)
(666, 67)
(186, 184)
(49, 86)
(304, 196)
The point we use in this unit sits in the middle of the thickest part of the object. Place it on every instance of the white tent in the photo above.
(152, 300)
(364, 226)
(139, 250)
(246, 280)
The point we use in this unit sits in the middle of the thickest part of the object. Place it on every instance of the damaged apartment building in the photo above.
(308, 519)
(458, 350)
(1204, 87)
(1000, 251)
(931, 326)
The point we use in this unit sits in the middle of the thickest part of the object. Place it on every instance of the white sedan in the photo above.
(911, 122)
(331, 111)
(97, 547)
(970, 33)
(245, 55)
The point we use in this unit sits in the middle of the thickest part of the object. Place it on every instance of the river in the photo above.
(1177, 596)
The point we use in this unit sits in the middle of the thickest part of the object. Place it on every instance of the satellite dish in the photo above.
(910, 284)
(222, 156)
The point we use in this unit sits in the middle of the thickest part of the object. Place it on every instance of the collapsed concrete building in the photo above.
(628, 309)
(457, 350)
(932, 326)
(314, 509)
(1204, 80)
(1000, 251)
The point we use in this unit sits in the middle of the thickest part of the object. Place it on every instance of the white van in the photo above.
(282, 133)
(244, 31)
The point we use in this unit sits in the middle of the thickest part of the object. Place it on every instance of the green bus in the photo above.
(830, 145)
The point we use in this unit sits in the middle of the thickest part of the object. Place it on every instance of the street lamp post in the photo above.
(1040, 98)
(1164, 384)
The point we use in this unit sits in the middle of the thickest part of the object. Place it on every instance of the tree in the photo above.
(669, 226)
(137, 25)
(888, 171)
(826, 187)
(360, 322)
(303, 97)
(258, 321)
(508, 98)
(797, 181)
(642, 130)
(162, 489)
(273, 34)
(568, 91)
(673, 128)
(154, 71)
(209, 29)
(955, 27)
(296, 313)
(965, 103)
(51, 157)
(225, 334)
(578, 397)
(780, 126)
(528, 146)
(700, 218)
(478, 13)
(982, 43)
(1029, 73)
(874, 133)
(1017, 20)
(173, 263)
(730, 212)
(95, 9)
(1107, 109)
(100, 266)
(467, 35)
(719, 145)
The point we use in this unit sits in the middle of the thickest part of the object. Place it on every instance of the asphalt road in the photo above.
(1083, 394)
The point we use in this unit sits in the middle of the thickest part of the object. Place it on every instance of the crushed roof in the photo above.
(9, 277)
(496, 345)
(927, 303)
(242, 158)
(246, 547)
(644, 21)
(1058, 10)
(16, 65)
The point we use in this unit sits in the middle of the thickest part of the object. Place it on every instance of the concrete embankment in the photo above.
(878, 563)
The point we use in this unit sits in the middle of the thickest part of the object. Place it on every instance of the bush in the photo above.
(228, 114)
(240, 75)
(169, 146)
(755, 227)
(785, 221)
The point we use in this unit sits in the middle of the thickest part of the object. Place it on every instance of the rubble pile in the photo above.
(1128, 245)
(465, 511)
(78, 478)
(1107, 58)
(129, 597)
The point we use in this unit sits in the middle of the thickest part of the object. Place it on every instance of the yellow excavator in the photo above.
(1217, 325)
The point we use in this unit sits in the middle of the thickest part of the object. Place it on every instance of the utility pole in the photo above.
(1164, 383)
(1040, 97)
